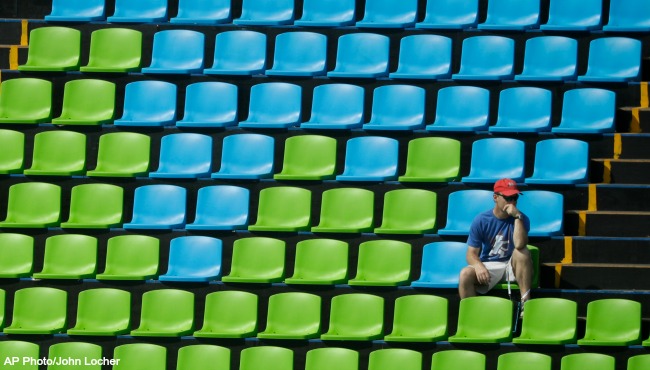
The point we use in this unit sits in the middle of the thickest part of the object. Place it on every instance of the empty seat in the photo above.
(573, 15)
(38, 310)
(114, 50)
(320, 262)
(612, 322)
(560, 161)
(140, 356)
(87, 102)
(265, 13)
(229, 314)
(432, 159)
(389, 14)
(58, 153)
(511, 15)
(450, 14)
(274, 215)
(176, 52)
(473, 328)
(131, 257)
(625, 67)
(336, 106)
(523, 110)
(332, 358)
(355, 316)
(201, 356)
(149, 103)
(210, 12)
(193, 258)
(69, 256)
(496, 158)
(370, 158)
(72, 354)
(550, 58)
(587, 111)
(238, 52)
(77, 11)
(158, 206)
(299, 54)
(549, 321)
(391, 358)
(274, 105)
(102, 312)
(408, 211)
(383, 263)
(424, 57)
(53, 49)
(293, 315)
(308, 157)
(221, 207)
(33, 205)
(346, 210)
(95, 206)
(12, 157)
(533, 361)
(628, 16)
(266, 357)
(593, 361)
(318, 13)
(246, 157)
(486, 58)
(17, 252)
(166, 313)
(461, 109)
(144, 11)
(441, 265)
(638, 362)
(210, 104)
(20, 349)
(184, 155)
(361, 55)
(462, 207)
(397, 108)
(256, 260)
(419, 318)
(122, 154)
(25, 100)
(544, 222)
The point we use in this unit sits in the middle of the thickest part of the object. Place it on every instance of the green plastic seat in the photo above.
(638, 362)
(332, 358)
(38, 310)
(591, 361)
(58, 153)
(472, 326)
(534, 255)
(166, 313)
(131, 257)
(395, 358)
(612, 322)
(408, 211)
(256, 260)
(79, 356)
(69, 256)
(346, 210)
(12, 156)
(274, 215)
(114, 50)
(87, 102)
(458, 359)
(122, 154)
(293, 315)
(356, 316)
(17, 251)
(25, 100)
(33, 205)
(103, 312)
(320, 262)
(383, 263)
(266, 357)
(95, 206)
(203, 356)
(532, 361)
(549, 321)
(432, 159)
(53, 49)
(308, 157)
(140, 356)
(419, 318)
(17, 349)
(229, 314)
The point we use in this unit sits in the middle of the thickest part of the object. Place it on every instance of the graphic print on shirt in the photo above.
(499, 246)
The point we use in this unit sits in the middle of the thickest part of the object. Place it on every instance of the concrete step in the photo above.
(596, 276)
(620, 171)
(607, 223)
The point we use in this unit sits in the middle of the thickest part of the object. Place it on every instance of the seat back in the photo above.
(12, 157)
(17, 252)
(140, 356)
(209, 12)
(332, 358)
(308, 157)
(184, 155)
(419, 317)
(149, 103)
(166, 312)
(452, 359)
(320, 262)
(547, 221)
(275, 104)
(122, 154)
(193, 258)
(524, 109)
(496, 158)
(75, 353)
(389, 14)
(38, 310)
(203, 109)
(239, 52)
(432, 159)
(533, 360)
(549, 321)
(512, 14)
(337, 105)
(560, 161)
(221, 207)
(574, 15)
(53, 49)
(103, 311)
(465, 108)
(356, 315)
(87, 102)
(239, 161)
(177, 51)
(628, 15)
(229, 314)
(441, 265)
(131, 257)
(625, 67)
(487, 57)
(158, 206)
(472, 328)
(593, 361)
(638, 362)
(58, 153)
(273, 214)
(257, 259)
(362, 54)
(450, 14)
(391, 358)
(95, 206)
(25, 100)
(346, 210)
(383, 263)
(266, 357)
(588, 110)
(613, 321)
(293, 315)
(265, 13)
(203, 356)
(550, 58)
(424, 56)
(21, 349)
(408, 211)
(114, 50)
(143, 11)
(33, 204)
(398, 107)
(299, 54)
(334, 13)
(69, 256)
(77, 11)
(370, 158)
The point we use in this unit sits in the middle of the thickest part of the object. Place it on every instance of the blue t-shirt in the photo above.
(494, 236)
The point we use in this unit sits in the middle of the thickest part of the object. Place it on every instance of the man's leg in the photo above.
(467, 283)
(522, 264)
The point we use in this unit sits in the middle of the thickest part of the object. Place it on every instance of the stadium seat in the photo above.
(184, 155)
(117, 50)
(158, 206)
(346, 210)
(38, 310)
(612, 322)
(332, 358)
(19, 349)
(545, 222)
(574, 15)
(87, 102)
(424, 57)
(266, 357)
(461, 109)
(33, 205)
(265, 13)
(203, 356)
(292, 315)
(496, 158)
(69, 256)
(473, 328)
(361, 55)
(166, 313)
(207, 12)
(560, 161)
(419, 318)
(638, 362)
(626, 67)
(593, 361)
(256, 260)
(336, 106)
(511, 15)
(408, 211)
(67, 355)
(25, 100)
(587, 111)
(17, 252)
(533, 361)
(102, 312)
(441, 265)
(142, 11)
(320, 262)
(549, 321)
(370, 158)
(221, 207)
(148, 103)
(486, 58)
(308, 157)
(455, 358)
(53, 49)
(140, 356)
(391, 358)
(58, 153)
(550, 58)
(176, 51)
(210, 104)
(238, 52)
(524, 109)
(432, 159)
(229, 314)
(131, 257)
(397, 108)
(193, 258)
(383, 263)
(274, 215)
(318, 13)
(238, 162)
(274, 105)
(355, 317)
(628, 16)
(300, 54)
(462, 207)
(450, 14)
(12, 157)
(77, 11)
(389, 14)
(122, 154)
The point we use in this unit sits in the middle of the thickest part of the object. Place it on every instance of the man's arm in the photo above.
(482, 274)
(520, 234)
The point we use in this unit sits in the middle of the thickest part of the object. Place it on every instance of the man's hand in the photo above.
(511, 210)
(482, 274)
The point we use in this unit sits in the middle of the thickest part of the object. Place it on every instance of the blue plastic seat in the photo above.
(141, 11)
(77, 11)
(158, 206)
(550, 58)
(148, 103)
(370, 158)
(333, 13)
(221, 207)
(462, 207)
(266, 13)
(461, 109)
(511, 15)
(239, 162)
(176, 52)
(587, 111)
(336, 106)
(560, 161)
(389, 14)
(601, 67)
(523, 109)
(397, 108)
(547, 220)
(299, 54)
(424, 57)
(441, 265)
(239, 52)
(210, 104)
(184, 155)
(486, 58)
(274, 105)
(628, 16)
(193, 259)
(203, 12)
(496, 158)
(274, 215)
(450, 14)
(574, 15)
(361, 55)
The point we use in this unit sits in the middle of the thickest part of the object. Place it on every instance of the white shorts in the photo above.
(500, 272)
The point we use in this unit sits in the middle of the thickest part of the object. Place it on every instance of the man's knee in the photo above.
(468, 275)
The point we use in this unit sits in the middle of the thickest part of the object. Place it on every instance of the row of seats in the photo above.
(359, 55)
(563, 15)
(278, 105)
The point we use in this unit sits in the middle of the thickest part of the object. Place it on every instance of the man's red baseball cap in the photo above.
(506, 187)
